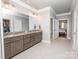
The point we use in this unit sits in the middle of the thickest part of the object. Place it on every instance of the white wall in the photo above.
(45, 23)
(52, 13)
(33, 21)
(74, 24)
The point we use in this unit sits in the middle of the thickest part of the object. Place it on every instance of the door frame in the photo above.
(2, 54)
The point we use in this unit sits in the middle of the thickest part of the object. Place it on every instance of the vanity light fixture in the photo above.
(7, 4)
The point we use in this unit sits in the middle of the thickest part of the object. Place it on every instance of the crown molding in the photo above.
(62, 14)
(24, 5)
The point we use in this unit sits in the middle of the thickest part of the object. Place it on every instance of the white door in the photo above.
(1, 34)
(74, 34)
(56, 29)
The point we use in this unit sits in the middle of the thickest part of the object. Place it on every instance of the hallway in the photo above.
(59, 49)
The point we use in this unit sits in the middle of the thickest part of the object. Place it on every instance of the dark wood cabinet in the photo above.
(26, 39)
(15, 45)
(7, 50)
(12, 49)
(18, 46)
(7, 47)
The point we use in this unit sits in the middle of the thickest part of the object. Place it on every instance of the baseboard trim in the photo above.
(46, 41)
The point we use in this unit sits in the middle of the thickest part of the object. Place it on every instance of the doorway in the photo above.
(63, 28)
(51, 28)
(6, 25)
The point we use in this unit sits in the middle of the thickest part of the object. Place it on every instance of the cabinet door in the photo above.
(26, 40)
(38, 37)
(18, 46)
(7, 50)
(12, 48)
(26, 46)
(32, 38)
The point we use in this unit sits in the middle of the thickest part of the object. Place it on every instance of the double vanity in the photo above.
(15, 43)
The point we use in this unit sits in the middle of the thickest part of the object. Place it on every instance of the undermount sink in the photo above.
(32, 30)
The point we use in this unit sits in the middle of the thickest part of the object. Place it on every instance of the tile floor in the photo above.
(59, 49)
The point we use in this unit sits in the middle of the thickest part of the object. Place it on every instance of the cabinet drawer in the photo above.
(18, 38)
(26, 40)
(33, 34)
(26, 46)
(28, 35)
(32, 38)
(7, 40)
(32, 43)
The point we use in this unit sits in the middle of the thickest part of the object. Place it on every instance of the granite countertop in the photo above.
(19, 34)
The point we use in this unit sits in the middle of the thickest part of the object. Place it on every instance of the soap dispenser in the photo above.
(39, 27)
(34, 27)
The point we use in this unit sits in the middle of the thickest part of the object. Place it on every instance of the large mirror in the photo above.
(13, 21)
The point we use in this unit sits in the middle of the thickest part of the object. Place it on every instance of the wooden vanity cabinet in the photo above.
(26, 41)
(13, 46)
(16, 44)
(7, 50)
(12, 49)
(32, 37)
(35, 38)
(38, 37)
(7, 47)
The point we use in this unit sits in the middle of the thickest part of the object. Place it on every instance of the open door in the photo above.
(56, 29)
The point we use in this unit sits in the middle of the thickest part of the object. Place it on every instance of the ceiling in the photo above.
(60, 6)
